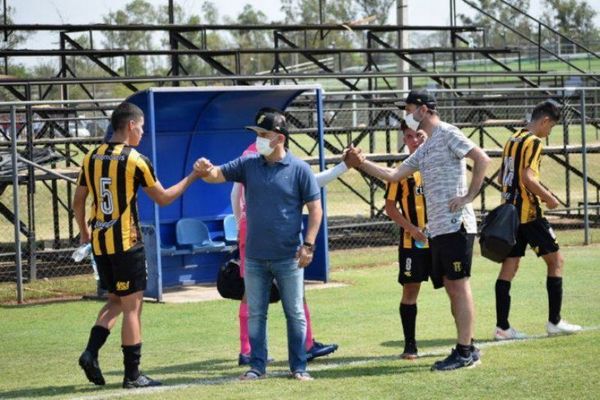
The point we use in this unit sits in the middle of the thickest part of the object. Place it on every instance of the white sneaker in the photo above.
(563, 327)
(508, 334)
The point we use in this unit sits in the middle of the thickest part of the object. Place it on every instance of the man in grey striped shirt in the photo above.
(452, 225)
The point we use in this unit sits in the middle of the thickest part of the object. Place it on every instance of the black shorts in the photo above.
(123, 273)
(451, 256)
(415, 265)
(539, 235)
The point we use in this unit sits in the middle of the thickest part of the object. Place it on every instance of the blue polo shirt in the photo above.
(275, 194)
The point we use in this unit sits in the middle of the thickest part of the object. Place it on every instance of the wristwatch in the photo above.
(309, 246)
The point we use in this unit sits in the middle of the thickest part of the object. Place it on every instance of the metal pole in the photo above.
(586, 217)
(173, 43)
(321, 133)
(401, 82)
(5, 9)
(17, 223)
(152, 131)
(31, 238)
(321, 6)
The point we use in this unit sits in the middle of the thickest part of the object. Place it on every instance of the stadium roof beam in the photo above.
(229, 27)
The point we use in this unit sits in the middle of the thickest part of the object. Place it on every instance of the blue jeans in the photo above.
(258, 278)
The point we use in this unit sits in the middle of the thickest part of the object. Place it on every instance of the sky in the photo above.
(91, 11)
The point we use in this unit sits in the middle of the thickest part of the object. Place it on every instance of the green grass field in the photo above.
(193, 348)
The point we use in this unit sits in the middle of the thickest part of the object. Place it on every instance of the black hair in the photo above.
(403, 126)
(548, 108)
(124, 113)
(265, 110)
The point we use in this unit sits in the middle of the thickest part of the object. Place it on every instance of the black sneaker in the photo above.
(243, 359)
(452, 362)
(90, 366)
(410, 351)
(476, 354)
(141, 382)
(320, 350)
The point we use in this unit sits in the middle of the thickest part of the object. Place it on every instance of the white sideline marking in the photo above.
(314, 367)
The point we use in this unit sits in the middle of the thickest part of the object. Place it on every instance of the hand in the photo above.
(304, 256)
(84, 237)
(458, 203)
(417, 234)
(353, 157)
(202, 167)
(552, 202)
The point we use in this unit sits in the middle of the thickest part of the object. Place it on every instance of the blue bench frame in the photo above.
(181, 125)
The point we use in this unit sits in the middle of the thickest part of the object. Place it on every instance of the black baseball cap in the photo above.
(420, 98)
(269, 119)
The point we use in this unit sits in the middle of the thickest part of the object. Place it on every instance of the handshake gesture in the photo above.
(203, 167)
(353, 157)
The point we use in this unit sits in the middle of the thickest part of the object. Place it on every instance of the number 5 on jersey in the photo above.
(107, 199)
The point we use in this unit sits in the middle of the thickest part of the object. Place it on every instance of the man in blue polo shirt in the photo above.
(277, 186)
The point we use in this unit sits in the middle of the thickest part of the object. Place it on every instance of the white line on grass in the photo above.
(439, 351)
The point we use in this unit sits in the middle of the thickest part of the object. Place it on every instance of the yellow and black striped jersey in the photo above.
(112, 173)
(523, 150)
(408, 193)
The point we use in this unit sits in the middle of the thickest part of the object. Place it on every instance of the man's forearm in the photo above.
(177, 190)
(314, 222)
(535, 187)
(397, 217)
(79, 210)
(479, 166)
(377, 170)
(214, 176)
(79, 214)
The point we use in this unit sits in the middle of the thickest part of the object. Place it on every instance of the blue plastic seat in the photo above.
(194, 233)
(230, 227)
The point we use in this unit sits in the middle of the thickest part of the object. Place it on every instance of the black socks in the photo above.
(131, 360)
(464, 351)
(554, 287)
(502, 303)
(408, 316)
(98, 336)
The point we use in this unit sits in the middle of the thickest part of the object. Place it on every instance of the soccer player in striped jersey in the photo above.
(405, 205)
(521, 186)
(112, 173)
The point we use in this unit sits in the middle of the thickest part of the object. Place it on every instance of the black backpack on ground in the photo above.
(499, 232)
(230, 284)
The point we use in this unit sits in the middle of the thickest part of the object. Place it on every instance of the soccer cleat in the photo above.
(452, 362)
(563, 327)
(142, 381)
(508, 334)
(320, 350)
(90, 366)
(410, 351)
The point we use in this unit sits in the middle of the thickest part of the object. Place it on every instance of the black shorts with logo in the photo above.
(451, 256)
(539, 235)
(123, 273)
(415, 265)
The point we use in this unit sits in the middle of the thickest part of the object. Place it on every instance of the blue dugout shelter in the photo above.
(181, 125)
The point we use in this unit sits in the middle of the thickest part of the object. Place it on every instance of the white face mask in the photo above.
(263, 146)
(411, 122)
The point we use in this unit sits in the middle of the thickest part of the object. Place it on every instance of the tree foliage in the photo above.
(572, 18)
(496, 34)
(135, 12)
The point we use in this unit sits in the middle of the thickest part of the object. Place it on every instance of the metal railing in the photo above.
(366, 119)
